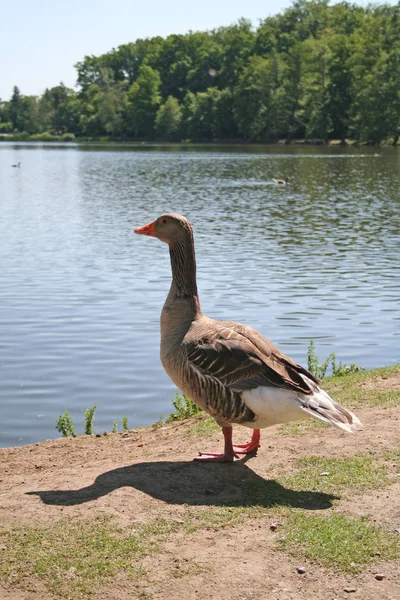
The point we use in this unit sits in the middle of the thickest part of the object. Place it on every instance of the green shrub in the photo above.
(320, 370)
(46, 136)
(6, 127)
(65, 425)
(21, 136)
(68, 137)
(89, 419)
(184, 409)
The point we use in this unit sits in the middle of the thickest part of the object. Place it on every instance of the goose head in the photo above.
(169, 228)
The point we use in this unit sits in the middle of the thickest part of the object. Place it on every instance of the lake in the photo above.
(81, 294)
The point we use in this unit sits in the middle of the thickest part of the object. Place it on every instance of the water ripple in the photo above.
(81, 296)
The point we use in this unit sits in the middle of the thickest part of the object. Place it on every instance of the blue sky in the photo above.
(41, 40)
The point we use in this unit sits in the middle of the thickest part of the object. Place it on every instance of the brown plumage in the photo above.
(230, 370)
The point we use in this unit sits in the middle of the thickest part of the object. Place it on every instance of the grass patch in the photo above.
(338, 541)
(204, 427)
(302, 427)
(393, 456)
(187, 567)
(72, 557)
(358, 472)
(364, 389)
(216, 518)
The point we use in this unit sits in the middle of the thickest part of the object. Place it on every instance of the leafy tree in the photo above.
(312, 70)
(315, 80)
(29, 117)
(255, 98)
(143, 102)
(111, 103)
(15, 110)
(237, 43)
(89, 119)
(169, 118)
(290, 112)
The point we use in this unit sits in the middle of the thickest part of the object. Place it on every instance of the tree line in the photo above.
(313, 71)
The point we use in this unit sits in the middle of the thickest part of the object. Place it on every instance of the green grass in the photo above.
(204, 427)
(350, 391)
(184, 408)
(354, 473)
(338, 541)
(392, 456)
(217, 517)
(302, 427)
(71, 557)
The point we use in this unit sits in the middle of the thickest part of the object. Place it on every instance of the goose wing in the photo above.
(243, 359)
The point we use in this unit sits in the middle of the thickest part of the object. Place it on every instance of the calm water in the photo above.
(81, 295)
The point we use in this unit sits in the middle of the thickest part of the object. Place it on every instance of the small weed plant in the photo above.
(89, 420)
(319, 370)
(65, 425)
(184, 409)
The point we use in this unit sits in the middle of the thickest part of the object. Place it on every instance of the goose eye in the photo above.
(164, 221)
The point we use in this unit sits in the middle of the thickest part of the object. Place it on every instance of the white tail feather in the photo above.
(273, 405)
(323, 407)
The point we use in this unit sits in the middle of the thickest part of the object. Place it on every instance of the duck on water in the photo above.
(228, 369)
(282, 181)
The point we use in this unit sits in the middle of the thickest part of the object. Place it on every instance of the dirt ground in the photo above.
(144, 474)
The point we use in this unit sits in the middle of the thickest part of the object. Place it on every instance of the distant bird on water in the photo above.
(17, 165)
(281, 181)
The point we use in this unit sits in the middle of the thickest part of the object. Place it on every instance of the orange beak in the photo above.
(147, 230)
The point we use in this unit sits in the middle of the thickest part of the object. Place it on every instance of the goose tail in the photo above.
(320, 405)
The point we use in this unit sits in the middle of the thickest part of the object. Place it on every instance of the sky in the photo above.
(42, 40)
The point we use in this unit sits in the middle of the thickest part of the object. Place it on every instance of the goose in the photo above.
(281, 181)
(230, 370)
(17, 165)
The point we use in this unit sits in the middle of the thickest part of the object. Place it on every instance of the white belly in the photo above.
(272, 406)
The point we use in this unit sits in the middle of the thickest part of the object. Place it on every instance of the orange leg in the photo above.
(250, 446)
(230, 451)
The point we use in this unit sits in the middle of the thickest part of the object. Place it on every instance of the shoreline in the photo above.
(71, 140)
(330, 382)
(131, 515)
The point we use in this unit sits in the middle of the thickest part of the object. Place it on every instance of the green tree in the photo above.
(375, 71)
(89, 120)
(314, 87)
(290, 113)
(169, 118)
(111, 103)
(29, 118)
(255, 98)
(312, 70)
(237, 44)
(15, 110)
(143, 102)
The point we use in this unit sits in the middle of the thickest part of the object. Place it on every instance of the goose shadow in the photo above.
(193, 484)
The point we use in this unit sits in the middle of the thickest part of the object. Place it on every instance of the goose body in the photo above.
(228, 369)
(281, 181)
